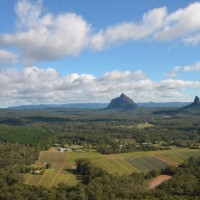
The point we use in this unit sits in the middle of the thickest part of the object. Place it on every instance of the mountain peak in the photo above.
(123, 95)
(122, 102)
(194, 105)
(197, 100)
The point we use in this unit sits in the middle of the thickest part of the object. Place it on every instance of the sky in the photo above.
(73, 51)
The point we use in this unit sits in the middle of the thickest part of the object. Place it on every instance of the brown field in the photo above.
(157, 181)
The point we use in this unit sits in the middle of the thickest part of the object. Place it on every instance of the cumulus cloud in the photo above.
(133, 31)
(34, 85)
(47, 36)
(28, 14)
(188, 68)
(171, 84)
(156, 24)
(43, 35)
(181, 24)
(126, 75)
(7, 57)
(195, 67)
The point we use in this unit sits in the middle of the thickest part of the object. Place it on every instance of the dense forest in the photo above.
(23, 134)
(106, 131)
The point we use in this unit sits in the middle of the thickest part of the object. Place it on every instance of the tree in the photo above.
(48, 165)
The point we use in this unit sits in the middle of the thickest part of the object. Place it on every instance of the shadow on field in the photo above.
(74, 172)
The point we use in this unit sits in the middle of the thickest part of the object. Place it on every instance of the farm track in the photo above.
(44, 175)
(59, 170)
(46, 157)
(67, 179)
(56, 175)
(30, 177)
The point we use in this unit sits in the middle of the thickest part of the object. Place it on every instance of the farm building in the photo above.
(61, 149)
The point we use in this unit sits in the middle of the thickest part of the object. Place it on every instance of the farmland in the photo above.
(62, 164)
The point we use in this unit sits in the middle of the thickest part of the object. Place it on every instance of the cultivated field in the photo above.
(63, 162)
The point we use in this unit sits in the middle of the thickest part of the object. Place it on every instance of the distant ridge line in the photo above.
(96, 105)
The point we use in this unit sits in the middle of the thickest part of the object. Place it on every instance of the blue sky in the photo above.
(70, 51)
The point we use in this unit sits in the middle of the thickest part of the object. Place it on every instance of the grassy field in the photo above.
(144, 125)
(118, 164)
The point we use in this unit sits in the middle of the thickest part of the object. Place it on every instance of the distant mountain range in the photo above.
(70, 105)
(191, 108)
(98, 105)
(164, 104)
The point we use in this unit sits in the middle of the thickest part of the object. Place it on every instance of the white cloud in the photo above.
(189, 68)
(180, 24)
(47, 37)
(133, 31)
(7, 57)
(174, 72)
(126, 75)
(43, 35)
(28, 14)
(192, 40)
(156, 24)
(195, 67)
(171, 84)
(33, 85)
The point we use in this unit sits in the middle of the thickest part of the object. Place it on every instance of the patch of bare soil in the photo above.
(157, 181)
(53, 149)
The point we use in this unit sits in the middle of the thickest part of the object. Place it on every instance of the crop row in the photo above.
(158, 163)
(192, 153)
(144, 164)
(178, 157)
(136, 164)
(58, 157)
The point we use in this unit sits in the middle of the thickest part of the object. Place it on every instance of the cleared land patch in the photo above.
(144, 125)
(157, 181)
(62, 163)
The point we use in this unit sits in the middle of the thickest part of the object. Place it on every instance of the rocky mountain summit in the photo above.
(122, 102)
(194, 105)
(196, 101)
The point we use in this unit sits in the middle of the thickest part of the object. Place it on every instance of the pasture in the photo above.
(62, 164)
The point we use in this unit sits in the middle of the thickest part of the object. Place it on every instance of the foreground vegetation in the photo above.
(98, 184)
(120, 153)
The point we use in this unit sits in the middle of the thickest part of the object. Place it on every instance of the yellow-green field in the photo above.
(144, 125)
(118, 164)
(140, 126)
